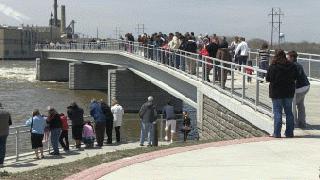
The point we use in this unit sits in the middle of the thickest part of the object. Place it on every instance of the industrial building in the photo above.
(19, 42)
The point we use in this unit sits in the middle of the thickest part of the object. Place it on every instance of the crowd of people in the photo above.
(288, 83)
(87, 131)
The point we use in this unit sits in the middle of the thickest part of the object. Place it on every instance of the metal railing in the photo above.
(245, 83)
(193, 65)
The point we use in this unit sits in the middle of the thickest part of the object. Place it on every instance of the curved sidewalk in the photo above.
(108, 169)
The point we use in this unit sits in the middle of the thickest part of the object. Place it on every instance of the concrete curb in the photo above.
(106, 168)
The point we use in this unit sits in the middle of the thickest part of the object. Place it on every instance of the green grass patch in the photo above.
(61, 171)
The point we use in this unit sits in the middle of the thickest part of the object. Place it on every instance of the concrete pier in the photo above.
(52, 70)
(132, 91)
(84, 76)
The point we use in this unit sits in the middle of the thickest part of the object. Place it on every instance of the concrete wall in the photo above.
(88, 76)
(219, 123)
(52, 70)
(132, 91)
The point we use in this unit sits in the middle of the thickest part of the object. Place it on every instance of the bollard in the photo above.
(155, 134)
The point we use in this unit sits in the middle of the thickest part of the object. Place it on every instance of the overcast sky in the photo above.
(248, 18)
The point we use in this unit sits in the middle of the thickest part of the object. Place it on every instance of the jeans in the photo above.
(65, 143)
(55, 135)
(300, 112)
(146, 130)
(278, 105)
(263, 65)
(117, 129)
(3, 142)
(100, 129)
(109, 127)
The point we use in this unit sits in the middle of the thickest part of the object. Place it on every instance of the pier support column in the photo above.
(52, 70)
(84, 76)
(200, 113)
(132, 91)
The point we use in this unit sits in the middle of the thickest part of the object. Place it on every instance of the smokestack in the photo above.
(55, 8)
(63, 19)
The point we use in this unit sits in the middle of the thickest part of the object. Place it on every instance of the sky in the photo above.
(248, 18)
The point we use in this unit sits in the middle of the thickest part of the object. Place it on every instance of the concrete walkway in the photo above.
(27, 161)
(296, 158)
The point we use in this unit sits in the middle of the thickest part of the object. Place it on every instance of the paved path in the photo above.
(296, 158)
(28, 162)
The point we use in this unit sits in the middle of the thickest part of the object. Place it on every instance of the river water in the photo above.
(20, 93)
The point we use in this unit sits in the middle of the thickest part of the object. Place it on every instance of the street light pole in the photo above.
(51, 21)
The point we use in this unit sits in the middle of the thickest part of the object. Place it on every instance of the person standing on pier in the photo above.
(99, 120)
(109, 120)
(282, 75)
(37, 124)
(118, 113)
(148, 115)
(55, 126)
(302, 88)
(75, 114)
(5, 122)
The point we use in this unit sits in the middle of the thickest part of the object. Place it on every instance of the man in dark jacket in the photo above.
(148, 115)
(302, 88)
(191, 47)
(109, 120)
(282, 76)
(5, 122)
(55, 126)
(75, 114)
(99, 120)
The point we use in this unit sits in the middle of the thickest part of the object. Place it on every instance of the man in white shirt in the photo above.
(242, 52)
(118, 113)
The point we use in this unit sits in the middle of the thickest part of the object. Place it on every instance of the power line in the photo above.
(140, 29)
(117, 32)
(276, 22)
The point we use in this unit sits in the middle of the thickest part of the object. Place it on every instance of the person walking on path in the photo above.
(37, 125)
(242, 52)
(148, 115)
(99, 120)
(282, 76)
(186, 125)
(118, 112)
(64, 141)
(302, 88)
(264, 56)
(75, 114)
(5, 122)
(170, 116)
(55, 126)
(109, 120)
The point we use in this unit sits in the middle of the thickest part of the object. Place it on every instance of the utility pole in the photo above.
(97, 33)
(140, 29)
(117, 32)
(276, 22)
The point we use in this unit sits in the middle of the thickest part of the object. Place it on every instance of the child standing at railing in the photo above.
(249, 71)
(64, 132)
(88, 135)
(186, 125)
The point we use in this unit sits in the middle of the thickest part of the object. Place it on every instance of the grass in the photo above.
(63, 170)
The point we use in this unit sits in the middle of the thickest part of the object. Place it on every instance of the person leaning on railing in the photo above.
(282, 75)
(5, 122)
(37, 125)
(75, 114)
(302, 88)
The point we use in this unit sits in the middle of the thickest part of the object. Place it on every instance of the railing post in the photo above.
(161, 128)
(221, 74)
(213, 71)
(309, 72)
(17, 143)
(257, 89)
(232, 78)
(243, 83)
